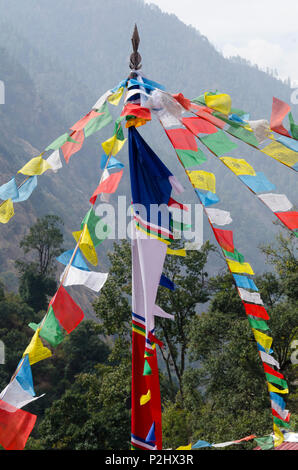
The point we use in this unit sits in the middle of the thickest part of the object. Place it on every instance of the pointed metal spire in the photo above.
(135, 57)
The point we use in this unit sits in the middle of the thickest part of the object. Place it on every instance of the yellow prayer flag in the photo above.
(272, 388)
(221, 102)
(113, 145)
(145, 398)
(86, 245)
(188, 447)
(180, 252)
(281, 153)
(239, 166)
(136, 122)
(36, 350)
(202, 180)
(262, 339)
(36, 166)
(237, 267)
(278, 436)
(6, 211)
(116, 97)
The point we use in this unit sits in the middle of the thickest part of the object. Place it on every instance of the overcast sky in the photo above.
(262, 31)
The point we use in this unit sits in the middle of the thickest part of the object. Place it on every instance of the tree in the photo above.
(37, 277)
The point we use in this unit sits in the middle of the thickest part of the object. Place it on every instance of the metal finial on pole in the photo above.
(135, 57)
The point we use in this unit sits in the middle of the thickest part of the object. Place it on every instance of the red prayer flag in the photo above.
(178, 205)
(287, 420)
(185, 102)
(271, 371)
(279, 111)
(69, 148)
(79, 125)
(289, 219)
(136, 110)
(247, 438)
(153, 339)
(182, 139)
(67, 312)
(224, 238)
(256, 311)
(15, 426)
(198, 125)
(109, 185)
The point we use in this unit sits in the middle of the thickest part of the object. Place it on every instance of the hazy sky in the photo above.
(262, 31)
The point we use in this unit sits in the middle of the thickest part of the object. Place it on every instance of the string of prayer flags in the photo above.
(108, 185)
(36, 166)
(15, 426)
(83, 238)
(67, 312)
(50, 329)
(74, 276)
(36, 351)
(6, 211)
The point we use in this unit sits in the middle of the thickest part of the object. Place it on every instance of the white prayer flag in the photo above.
(91, 279)
(253, 297)
(269, 359)
(55, 161)
(15, 395)
(218, 216)
(276, 202)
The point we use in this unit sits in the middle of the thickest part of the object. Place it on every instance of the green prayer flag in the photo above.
(98, 122)
(199, 100)
(147, 368)
(276, 380)
(281, 423)
(265, 443)
(218, 143)
(191, 158)
(293, 127)
(258, 324)
(51, 330)
(148, 354)
(118, 128)
(243, 134)
(235, 256)
(95, 227)
(56, 144)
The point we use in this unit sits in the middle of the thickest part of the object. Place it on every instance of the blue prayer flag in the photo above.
(77, 262)
(9, 190)
(26, 189)
(245, 282)
(258, 183)
(24, 376)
